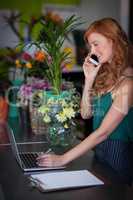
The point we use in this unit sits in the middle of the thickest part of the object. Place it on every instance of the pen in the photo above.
(48, 151)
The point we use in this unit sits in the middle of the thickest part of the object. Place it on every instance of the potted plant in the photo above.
(49, 55)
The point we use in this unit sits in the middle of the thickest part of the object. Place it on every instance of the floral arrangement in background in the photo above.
(49, 57)
(9, 56)
(51, 40)
(35, 62)
(42, 52)
(13, 64)
(27, 90)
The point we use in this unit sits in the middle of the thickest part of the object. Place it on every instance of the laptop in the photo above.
(27, 160)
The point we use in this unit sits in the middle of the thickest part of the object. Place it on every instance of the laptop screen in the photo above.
(27, 155)
(14, 144)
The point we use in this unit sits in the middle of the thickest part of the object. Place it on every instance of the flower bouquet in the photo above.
(59, 112)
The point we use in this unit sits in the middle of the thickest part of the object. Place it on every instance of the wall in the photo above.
(95, 9)
(90, 10)
(32, 6)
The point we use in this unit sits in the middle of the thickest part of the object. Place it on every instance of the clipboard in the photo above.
(53, 181)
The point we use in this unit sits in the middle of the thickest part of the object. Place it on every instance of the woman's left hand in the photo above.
(50, 160)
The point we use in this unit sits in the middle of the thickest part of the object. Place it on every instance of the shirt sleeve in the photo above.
(123, 98)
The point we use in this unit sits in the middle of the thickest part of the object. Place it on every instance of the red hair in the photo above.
(109, 73)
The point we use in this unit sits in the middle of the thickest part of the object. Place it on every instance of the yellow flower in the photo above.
(43, 109)
(47, 119)
(28, 65)
(61, 117)
(68, 50)
(69, 66)
(18, 64)
(69, 112)
(66, 125)
(17, 49)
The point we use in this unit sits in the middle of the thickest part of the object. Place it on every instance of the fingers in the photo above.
(87, 61)
(88, 64)
(44, 160)
(43, 157)
(45, 163)
(50, 160)
(98, 66)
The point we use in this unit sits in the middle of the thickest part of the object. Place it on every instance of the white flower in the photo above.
(61, 117)
(43, 109)
(61, 110)
(69, 112)
(46, 119)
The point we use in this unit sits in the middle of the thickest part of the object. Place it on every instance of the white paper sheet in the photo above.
(66, 179)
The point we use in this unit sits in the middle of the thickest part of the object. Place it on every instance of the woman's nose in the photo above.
(93, 50)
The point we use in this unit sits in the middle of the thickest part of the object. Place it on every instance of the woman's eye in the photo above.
(95, 44)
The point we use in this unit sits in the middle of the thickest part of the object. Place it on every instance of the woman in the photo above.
(108, 96)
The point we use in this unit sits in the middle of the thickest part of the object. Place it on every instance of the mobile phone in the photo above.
(94, 59)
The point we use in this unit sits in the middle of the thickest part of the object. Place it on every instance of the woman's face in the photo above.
(101, 47)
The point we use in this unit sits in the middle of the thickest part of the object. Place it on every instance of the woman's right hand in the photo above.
(50, 160)
(90, 70)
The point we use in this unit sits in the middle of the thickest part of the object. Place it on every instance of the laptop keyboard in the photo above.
(29, 159)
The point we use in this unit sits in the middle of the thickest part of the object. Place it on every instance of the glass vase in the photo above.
(60, 136)
(37, 124)
(57, 134)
